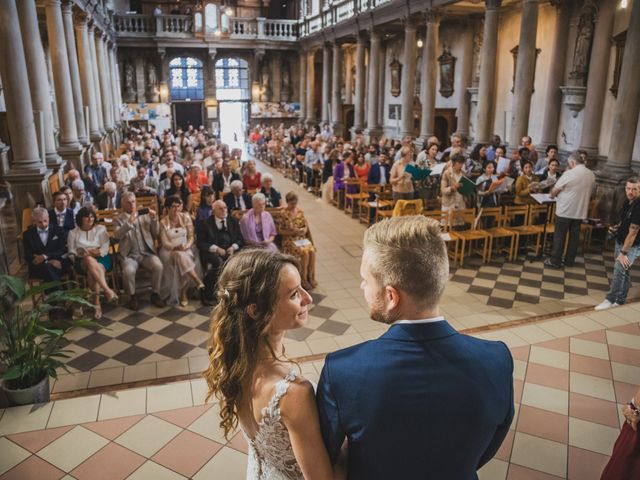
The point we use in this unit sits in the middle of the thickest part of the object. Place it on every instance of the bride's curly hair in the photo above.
(251, 277)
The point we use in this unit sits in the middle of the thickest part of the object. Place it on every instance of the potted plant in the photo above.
(32, 344)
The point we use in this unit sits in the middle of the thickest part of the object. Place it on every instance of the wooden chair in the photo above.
(525, 230)
(384, 209)
(404, 208)
(498, 231)
(352, 184)
(351, 199)
(451, 239)
(54, 183)
(469, 233)
(26, 222)
(147, 201)
(365, 207)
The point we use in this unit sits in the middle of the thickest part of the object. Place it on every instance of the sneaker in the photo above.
(606, 304)
(549, 263)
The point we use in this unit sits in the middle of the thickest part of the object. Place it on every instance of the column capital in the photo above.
(67, 7)
(51, 3)
(80, 19)
(410, 24)
(375, 34)
(212, 53)
(432, 15)
(493, 4)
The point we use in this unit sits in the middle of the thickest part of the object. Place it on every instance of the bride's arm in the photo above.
(300, 416)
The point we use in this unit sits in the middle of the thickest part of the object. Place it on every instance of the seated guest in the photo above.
(96, 172)
(143, 183)
(380, 172)
(170, 164)
(179, 187)
(551, 153)
(136, 234)
(204, 210)
(127, 170)
(361, 168)
(274, 199)
(294, 227)
(165, 184)
(236, 199)
(257, 227)
(81, 198)
(196, 178)
(61, 215)
(66, 189)
(44, 245)
(523, 192)
(89, 247)
(251, 180)
(219, 237)
(176, 239)
(222, 181)
(109, 199)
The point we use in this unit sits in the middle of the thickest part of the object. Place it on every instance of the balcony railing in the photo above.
(337, 11)
(184, 26)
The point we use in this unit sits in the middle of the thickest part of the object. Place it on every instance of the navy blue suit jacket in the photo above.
(374, 174)
(69, 221)
(422, 401)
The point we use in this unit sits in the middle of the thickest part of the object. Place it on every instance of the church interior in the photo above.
(105, 104)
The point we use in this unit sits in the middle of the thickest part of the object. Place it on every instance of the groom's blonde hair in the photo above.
(409, 254)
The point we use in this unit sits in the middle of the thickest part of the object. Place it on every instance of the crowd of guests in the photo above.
(206, 205)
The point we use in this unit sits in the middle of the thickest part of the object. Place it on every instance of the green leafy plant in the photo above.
(31, 344)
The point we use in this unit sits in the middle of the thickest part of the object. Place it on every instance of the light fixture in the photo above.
(217, 32)
(420, 43)
(623, 3)
(229, 12)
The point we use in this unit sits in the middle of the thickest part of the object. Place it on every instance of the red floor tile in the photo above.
(239, 442)
(585, 465)
(630, 356)
(548, 376)
(113, 462)
(560, 344)
(33, 467)
(504, 452)
(518, 386)
(521, 353)
(37, 440)
(516, 472)
(624, 391)
(186, 453)
(593, 409)
(631, 328)
(183, 417)
(112, 429)
(597, 336)
(543, 424)
(590, 366)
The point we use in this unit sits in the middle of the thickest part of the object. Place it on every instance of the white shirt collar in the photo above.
(439, 318)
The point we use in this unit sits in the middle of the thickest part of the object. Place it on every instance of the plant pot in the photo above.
(38, 393)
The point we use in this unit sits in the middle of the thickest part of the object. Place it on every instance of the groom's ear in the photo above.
(392, 297)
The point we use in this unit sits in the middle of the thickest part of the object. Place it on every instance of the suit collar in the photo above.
(419, 332)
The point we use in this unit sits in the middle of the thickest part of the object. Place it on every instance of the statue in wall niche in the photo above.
(152, 83)
(285, 92)
(478, 38)
(584, 37)
(265, 84)
(447, 72)
(129, 82)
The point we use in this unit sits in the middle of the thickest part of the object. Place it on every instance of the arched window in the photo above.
(232, 79)
(186, 79)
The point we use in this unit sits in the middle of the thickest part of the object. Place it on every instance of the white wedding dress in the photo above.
(270, 453)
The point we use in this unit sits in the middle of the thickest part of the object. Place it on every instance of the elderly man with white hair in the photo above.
(272, 196)
(109, 199)
(81, 198)
(44, 246)
(236, 199)
(127, 170)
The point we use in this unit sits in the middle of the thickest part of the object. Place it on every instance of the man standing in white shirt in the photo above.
(573, 192)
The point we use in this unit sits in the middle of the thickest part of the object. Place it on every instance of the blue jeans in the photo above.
(620, 281)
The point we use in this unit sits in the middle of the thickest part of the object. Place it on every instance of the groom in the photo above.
(421, 401)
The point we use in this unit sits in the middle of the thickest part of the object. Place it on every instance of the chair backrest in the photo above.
(26, 219)
(195, 201)
(432, 203)
(492, 212)
(463, 216)
(54, 183)
(513, 211)
(441, 216)
(407, 207)
(538, 214)
(147, 201)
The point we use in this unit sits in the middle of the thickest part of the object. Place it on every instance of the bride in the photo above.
(257, 387)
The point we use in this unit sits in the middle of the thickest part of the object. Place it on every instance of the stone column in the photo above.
(373, 89)
(627, 106)
(26, 172)
(303, 86)
(336, 90)
(74, 71)
(326, 83)
(555, 76)
(429, 77)
(115, 84)
(38, 84)
(276, 76)
(466, 78)
(358, 121)
(94, 74)
(597, 78)
(311, 88)
(348, 75)
(86, 75)
(521, 105)
(408, 78)
(382, 74)
(61, 78)
(105, 93)
(487, 84)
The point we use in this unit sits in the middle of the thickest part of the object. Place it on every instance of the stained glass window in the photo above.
(186, 79)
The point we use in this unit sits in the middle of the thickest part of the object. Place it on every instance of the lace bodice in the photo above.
(270, 453)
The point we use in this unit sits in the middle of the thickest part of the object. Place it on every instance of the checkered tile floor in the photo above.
(568, 393)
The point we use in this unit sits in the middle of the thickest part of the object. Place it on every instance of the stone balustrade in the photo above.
(336, 12)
